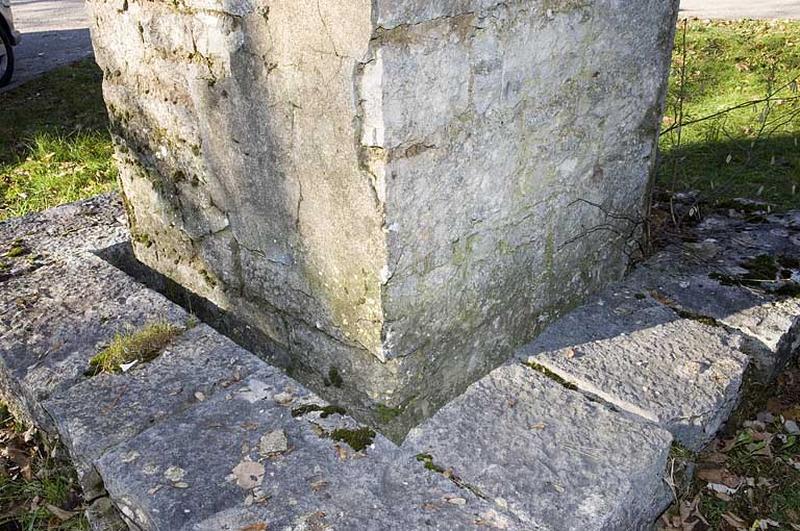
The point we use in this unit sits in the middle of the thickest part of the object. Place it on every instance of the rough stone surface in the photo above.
(400, 192)
(50, 332)
(204, 469)
(554, 459)
(681, 374)
(696, 276)
(204, 436)
(107, 409)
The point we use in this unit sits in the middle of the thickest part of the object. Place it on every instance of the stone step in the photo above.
(550, 456)
(208, 436)
(703, 278)
(108, 409)
(56, 318)
(249, 456)
(634, 353)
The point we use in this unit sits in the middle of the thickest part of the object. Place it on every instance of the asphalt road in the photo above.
(733, 9)
(55, 32)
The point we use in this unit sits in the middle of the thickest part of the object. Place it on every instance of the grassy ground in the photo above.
(38, 487)
(54, 143)
(753, 151)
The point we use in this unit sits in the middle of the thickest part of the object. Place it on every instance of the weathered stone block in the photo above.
(397, 194)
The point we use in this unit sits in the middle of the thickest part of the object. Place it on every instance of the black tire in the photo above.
(8, 62)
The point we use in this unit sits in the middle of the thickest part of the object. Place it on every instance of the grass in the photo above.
(54, 142)
(753, 151)
(38, 486)
(141, 346)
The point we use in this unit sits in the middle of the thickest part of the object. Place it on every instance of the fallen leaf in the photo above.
(174, 473)
(719, 475)
(248, 474)
(734, 521)
(272, 443)
(125, 367)
(260, 526)
(318, 485)
(341, 452)
(60, 513)
(719, 487)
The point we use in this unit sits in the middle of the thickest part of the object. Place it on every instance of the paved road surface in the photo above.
(54, 33)
(732, 9)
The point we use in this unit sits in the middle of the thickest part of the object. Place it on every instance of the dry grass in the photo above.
(139, 346)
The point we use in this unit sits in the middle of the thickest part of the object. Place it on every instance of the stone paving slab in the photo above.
(108, 409)
(183, 472)
(64, 230)
(516, 451)
(54, 319)
(683, 375)
(555, 459)
(687, 277)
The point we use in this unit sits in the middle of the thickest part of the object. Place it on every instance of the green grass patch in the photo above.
(54, 141)
(141, 346)
(38, 486)
(754, 150)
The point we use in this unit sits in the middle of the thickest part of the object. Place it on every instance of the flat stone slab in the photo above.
(683, 375)
(695, 277)
(108, 409)
(54, 319)
(553, 458)
(208, 468)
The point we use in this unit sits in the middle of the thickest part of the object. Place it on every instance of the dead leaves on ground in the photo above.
(30, 473)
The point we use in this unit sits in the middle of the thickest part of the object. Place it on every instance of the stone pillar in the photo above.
(396, 193)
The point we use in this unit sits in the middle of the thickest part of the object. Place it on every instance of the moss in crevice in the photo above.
(427, 461)
(700, 318)
(325, 411)
(334, 378)
(762, 268)
(358, 439)
(429, 464)
(17, 249)
(550, 374)
(769, 274)
(142, 346)
(386, 414)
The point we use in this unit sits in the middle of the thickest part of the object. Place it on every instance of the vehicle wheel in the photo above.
(6, 58)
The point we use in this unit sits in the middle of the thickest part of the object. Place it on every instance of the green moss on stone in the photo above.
(700, 318)
(18, 248)
(386, 414)
(325, 411)
(550, 374)
(761, 268)
(334, 378)
(358, 439)
(427, 461)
